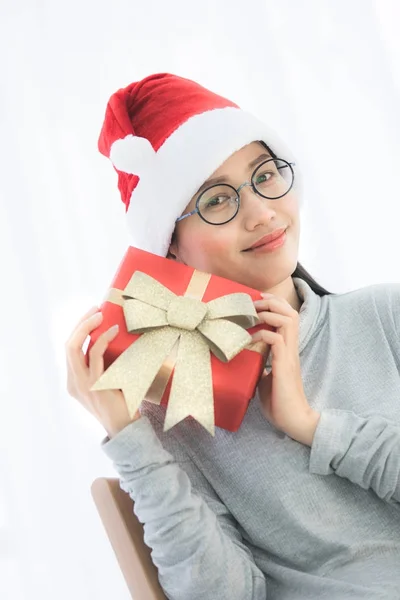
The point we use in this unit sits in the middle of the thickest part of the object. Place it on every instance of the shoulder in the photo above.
(380, 300)
(386, 299)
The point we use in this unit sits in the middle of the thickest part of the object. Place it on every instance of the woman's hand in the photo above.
(282, 396)
(109, 406)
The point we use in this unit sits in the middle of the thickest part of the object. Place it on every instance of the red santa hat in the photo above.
(165, 135)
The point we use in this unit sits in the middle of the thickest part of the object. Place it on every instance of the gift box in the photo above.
(184, 341)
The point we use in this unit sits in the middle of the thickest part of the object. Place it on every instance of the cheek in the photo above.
(202, 246)
(291, 205)
(218, 241)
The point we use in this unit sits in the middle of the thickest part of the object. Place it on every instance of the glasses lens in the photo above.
(273, 178)
(219, 204)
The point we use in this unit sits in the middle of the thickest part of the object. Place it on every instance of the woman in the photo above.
(303, 500)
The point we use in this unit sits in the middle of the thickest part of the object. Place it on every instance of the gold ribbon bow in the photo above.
(187, 325)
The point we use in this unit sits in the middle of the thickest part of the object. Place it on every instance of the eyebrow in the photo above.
(223, 178)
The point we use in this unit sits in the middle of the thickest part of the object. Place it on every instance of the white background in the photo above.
(325, 75)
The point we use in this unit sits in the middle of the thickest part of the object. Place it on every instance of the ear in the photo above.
(173, 253)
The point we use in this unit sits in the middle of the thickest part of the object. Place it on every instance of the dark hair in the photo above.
(300, 271)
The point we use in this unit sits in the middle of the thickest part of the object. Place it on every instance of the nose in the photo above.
(255, 209)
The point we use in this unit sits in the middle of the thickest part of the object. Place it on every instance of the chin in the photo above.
(245, 278)
(266, 278)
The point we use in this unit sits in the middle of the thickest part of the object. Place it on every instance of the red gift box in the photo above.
(233, 382)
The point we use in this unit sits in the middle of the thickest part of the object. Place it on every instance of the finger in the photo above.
(92, 313)
(284, 325)
(96, 353)
(289, 332)
(86, 316)
(274, 319)
(82, 330)
(275, 340)
(264, 335)
(274, 304)
(75, 355)
(274, 297)
(89, 313)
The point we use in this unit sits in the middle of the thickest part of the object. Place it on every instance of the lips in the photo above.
(267, 239)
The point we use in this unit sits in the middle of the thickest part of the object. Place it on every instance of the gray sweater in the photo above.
(255, 515)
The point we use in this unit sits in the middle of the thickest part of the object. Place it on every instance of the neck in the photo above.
(288, 292)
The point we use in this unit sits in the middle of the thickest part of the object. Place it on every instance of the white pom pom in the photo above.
(132, 154)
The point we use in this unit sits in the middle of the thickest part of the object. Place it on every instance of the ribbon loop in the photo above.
(238, 308)
(141, 317)
(147, 289)
(225, 339)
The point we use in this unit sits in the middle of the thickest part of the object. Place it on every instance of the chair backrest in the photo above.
(125, 533)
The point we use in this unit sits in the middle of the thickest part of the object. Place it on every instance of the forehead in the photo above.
(240, 159)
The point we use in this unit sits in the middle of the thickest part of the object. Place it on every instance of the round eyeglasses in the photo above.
(220, 203)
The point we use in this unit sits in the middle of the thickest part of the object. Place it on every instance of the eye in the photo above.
(264, 177)
(218, 200)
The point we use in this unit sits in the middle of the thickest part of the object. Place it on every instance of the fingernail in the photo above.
(113, 329)
(98, 315)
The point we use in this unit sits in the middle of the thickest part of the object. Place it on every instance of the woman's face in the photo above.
(223, 249)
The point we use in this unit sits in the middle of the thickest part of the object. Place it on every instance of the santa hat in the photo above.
(165, 135)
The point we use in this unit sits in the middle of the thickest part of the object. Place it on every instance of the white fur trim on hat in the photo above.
(132, 154)
(181, 165)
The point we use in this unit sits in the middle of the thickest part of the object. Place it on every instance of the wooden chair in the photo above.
(125, 533)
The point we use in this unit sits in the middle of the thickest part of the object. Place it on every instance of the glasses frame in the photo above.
(237, 191)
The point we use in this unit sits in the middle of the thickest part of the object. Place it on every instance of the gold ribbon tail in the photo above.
(192, 387)
(135, 369)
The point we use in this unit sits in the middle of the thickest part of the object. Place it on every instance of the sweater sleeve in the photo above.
(195, 542)
(364, 450)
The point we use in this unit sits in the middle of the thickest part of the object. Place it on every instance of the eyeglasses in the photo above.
(220, 203)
